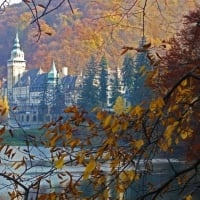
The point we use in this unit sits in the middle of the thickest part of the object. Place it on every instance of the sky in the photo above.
(12, 1)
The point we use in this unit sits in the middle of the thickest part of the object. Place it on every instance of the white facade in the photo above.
(33, 92)
(16, 65)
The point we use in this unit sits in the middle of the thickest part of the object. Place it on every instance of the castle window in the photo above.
(34, 118)
(27, 118)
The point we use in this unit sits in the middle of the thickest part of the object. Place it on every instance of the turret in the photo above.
(52, 74)
(16, 65)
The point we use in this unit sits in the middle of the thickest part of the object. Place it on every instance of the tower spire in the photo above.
(16, 42)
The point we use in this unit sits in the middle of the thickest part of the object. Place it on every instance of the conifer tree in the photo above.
(58, 104)
(43, 107)
(88, 98)
(115, 88)
(128, 78)
(142, 65)
(103, 82)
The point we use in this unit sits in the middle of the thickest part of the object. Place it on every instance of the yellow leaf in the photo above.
(74, 143)
(54, 139)
(124, 125)
(68, 135)
(188, 197)
(80, 157)
(107, 120)
(106, 193)
(129, 175)
(137, 111)
(138, 144)
(89, 168)
(120, 188)
(3, 108)
(184, 82)
(157, 104)
(60, 162)
(169, 130)
(186, 133)
(101, 180)
(115, 125)
(143, 70)
(176, 140)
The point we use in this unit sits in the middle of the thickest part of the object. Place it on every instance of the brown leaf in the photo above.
(48, 33)
(42, 6)
(146, 46)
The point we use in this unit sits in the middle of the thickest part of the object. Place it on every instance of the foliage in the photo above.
(3, 109)
(121, 153)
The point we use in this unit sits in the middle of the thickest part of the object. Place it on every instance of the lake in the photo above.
(41, 165)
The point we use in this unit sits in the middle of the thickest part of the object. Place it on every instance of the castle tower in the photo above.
(16, 66)
(52, 74)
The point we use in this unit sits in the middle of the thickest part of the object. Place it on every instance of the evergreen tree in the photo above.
(103, 82)
(58, 104)
(43, 105)
(141, 92)
(115, 88)
(128, 78)
(88, 98)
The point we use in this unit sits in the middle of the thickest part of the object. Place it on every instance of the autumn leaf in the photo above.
(169, 130)
(157, 103)
(26, 1)
(107, 120)
(2, 130)
(74, 143)
(89, 168)
(188, 197)
(100, 115)
(184, 83)
(137, 111)
(40, 5)
(186, 133)
(60, 162)
(138, 144)
(129, 175)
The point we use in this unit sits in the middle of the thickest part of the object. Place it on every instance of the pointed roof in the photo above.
(17, 53)
(16, 42)
(53, 72)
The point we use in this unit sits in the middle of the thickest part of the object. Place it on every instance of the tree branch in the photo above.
(159, 190)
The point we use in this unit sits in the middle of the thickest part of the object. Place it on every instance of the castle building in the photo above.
(35, 96)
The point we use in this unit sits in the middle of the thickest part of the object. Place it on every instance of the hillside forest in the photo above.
(94, 28)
